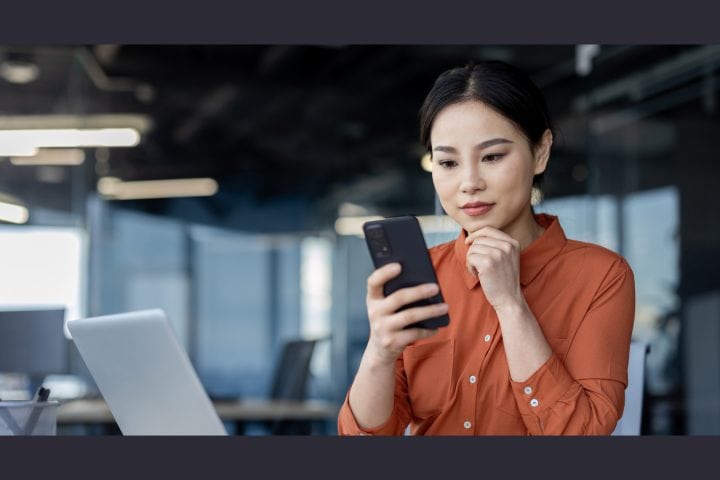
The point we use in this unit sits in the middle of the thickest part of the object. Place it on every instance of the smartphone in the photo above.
(399, 239)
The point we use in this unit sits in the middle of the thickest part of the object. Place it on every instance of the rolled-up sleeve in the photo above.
(399, 418)
(585, 393)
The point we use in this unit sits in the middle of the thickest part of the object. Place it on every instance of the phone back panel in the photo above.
(405, 245)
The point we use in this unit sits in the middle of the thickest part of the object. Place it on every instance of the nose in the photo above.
(472, 180)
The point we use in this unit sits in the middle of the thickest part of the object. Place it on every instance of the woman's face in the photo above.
(483, 168)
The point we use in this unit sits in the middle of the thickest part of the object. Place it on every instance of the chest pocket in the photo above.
(428, 367)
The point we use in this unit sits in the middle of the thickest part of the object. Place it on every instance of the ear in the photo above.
(542, 152)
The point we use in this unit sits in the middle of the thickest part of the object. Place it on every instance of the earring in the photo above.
(536, 196)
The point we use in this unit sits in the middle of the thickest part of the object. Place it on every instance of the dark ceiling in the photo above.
(320, 125)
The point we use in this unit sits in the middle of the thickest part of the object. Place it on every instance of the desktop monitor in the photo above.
(32, 342)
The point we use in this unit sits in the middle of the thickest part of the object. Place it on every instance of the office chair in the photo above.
(292, 370)
(629, 423)
(290, 383)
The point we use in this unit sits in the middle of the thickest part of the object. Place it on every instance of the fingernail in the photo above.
(433, 288)
(394, 267)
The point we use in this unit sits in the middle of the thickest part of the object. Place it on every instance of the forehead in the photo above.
(472, 121)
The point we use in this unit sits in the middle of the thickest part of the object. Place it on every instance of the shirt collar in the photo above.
(532, 259)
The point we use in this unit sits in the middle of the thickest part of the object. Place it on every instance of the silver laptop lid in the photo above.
(144, 374)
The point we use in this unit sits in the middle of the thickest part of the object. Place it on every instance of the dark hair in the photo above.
(498, 85)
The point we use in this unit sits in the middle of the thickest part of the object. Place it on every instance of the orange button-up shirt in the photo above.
(458, 383)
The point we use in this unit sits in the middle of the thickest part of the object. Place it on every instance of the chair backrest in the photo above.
(292, 371)
(629, 423)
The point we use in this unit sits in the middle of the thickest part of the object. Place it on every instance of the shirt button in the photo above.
(534, 402)
(527, 390)
(473, 379)
(487, 338)
(467, 425)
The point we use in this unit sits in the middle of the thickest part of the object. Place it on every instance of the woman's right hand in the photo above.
(388, 335)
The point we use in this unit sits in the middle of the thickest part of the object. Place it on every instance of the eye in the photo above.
(493, 157)
(447, 163)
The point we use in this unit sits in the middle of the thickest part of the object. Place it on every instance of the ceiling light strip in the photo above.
(61, 157)
(116, 189)
(9, 212)
(69, 137)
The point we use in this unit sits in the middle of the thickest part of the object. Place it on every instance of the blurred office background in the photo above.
(285, 150)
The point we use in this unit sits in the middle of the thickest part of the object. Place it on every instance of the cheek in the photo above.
(441, 185)
(445, 190)
(516, 177)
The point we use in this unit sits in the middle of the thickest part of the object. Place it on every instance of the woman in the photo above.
(540, 325)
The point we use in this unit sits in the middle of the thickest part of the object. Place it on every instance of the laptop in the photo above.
(144, 374)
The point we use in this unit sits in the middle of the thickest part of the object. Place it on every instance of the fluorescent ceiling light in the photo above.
(428, 224)
(115, 189)
(140, 122)
(59, 157)
(10, 212)
(70, 137)
(17, 150)
(352, 225)
(19, 72)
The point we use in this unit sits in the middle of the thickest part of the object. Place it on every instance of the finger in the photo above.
(404, 296)
(475, 236)
(479, 257)
(470, 268)
(501, 245)
(412, 335)
(377, 279)
(491, 232)
(401, 339)
(488, 231)
(400, 320)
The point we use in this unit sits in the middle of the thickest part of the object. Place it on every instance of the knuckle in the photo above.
(406, 316)
(393, 302)
(421, 292)
(416, 315)
(401, 317)
(403, 296)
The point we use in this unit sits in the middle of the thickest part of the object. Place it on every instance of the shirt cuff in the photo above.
(348, 425)
(544, 387)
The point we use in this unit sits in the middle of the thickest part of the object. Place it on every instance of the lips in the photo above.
(476, 208)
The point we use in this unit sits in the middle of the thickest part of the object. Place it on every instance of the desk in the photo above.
(96, 411)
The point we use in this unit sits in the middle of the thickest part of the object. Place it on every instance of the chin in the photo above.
(474, 225)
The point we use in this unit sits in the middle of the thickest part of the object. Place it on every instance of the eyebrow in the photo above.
(479, 146)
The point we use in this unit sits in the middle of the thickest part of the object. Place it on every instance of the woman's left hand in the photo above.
(494, 257)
